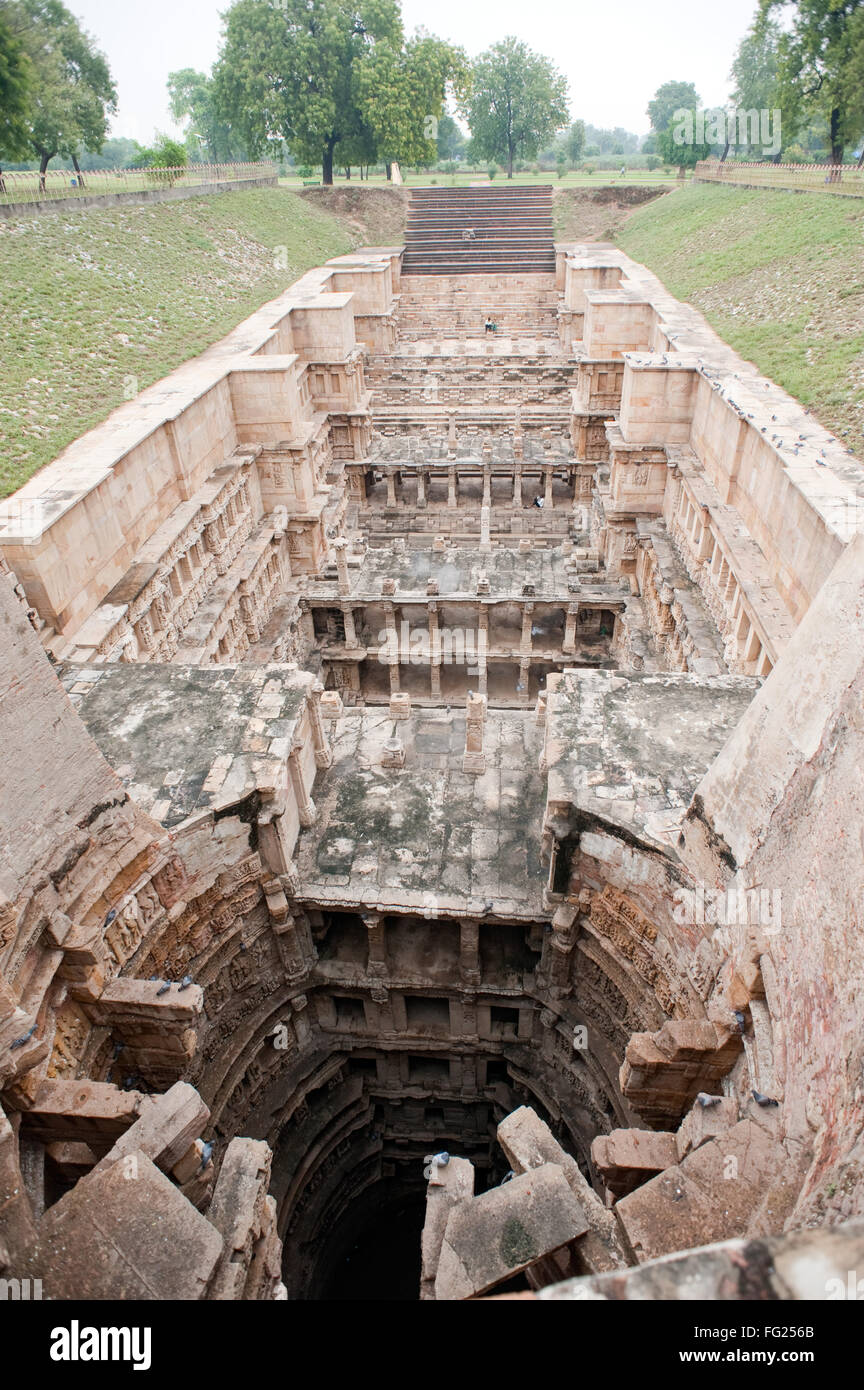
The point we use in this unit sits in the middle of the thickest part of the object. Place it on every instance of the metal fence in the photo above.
(823, 178)
(29, 186)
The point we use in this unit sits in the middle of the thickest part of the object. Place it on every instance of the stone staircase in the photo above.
(512, 231)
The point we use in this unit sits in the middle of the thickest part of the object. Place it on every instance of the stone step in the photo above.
(514, 226)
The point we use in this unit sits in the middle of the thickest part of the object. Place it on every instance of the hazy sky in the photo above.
(614, 55)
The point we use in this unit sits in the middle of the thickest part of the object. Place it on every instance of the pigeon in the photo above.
(118, 1048)
(21, 1042)
(185, 982)
(206, 1156)
(764, 1100)
(163, 989)
(740, 1018)
(707, 1101)
(110, 918)
(507, 1177)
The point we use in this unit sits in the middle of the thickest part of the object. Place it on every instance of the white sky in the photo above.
(614, 55)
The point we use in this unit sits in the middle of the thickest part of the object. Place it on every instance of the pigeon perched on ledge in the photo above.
(764, 1100)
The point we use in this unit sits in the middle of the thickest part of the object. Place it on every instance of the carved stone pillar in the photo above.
(469, 952)
(526, 644)
(377, 962)
(391, 488)
(302, 1026)
(350, 628)
(296, 946)
(392, 647)
(523, 690)
(323, 751)
(341, 547)
(558, 946)
(570, 627)
(421, 488)
(475, 717)
(548, 474)
(434, 650)
(482, 648)
(305, 805)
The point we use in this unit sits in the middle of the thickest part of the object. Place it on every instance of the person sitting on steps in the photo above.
(489, 326)
(469, 234)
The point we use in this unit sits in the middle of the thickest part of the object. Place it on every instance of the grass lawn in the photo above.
(97, 305)
(572, 179)
(780, 276)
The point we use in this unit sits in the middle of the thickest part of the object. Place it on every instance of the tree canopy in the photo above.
(517, 100)
(671, 97)
(678, 122)
(574, 142)
(14, 93)
(820, 61)
(72, 92)
(193, 100)
(332, 78)
(451, 142)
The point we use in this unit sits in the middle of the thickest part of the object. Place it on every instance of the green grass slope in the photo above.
(780, 276)
(98, 304)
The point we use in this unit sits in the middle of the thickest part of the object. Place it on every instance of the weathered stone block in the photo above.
(493, 1237)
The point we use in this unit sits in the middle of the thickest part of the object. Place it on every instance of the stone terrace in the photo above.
(428, 837)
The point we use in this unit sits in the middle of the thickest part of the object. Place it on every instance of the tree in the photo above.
(604, 141)
(574, 143)
(683, 143)
(193, 100)
(290, 72)
(163, 159)
(819, 66)
(451, 142)
(401, 93)
(73, 91)
(755, 75)
(755, 68)
(164, 154)
(671, 97)
(517, 99)
(15, 94)
(675, 119)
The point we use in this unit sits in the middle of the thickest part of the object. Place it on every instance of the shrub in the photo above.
(492, 170)
(305, 171)
(163, 159)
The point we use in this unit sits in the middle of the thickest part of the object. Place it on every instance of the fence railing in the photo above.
(828, 178)
(28, 186)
